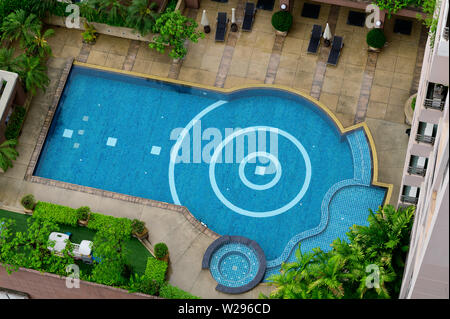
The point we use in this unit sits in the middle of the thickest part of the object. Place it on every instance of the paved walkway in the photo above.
(357, 89)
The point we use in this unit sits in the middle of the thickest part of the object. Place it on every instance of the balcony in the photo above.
(435, 104)
(425, 139)
(417, 171)
(410, 195)
(445, 33)
(436, 95)
(409, 199)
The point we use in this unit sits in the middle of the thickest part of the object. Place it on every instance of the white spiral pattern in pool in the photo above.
(218, 151)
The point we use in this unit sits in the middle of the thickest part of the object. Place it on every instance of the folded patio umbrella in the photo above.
(204, 21)
(327, 33)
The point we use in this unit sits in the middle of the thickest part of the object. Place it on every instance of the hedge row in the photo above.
(69, 216)
(12, 130)
(156, 270)
(171, 292)
(99, 221)
(56, 213)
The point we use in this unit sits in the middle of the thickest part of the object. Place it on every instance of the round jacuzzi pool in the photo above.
(237, 263)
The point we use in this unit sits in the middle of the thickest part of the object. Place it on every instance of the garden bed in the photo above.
(137, 257)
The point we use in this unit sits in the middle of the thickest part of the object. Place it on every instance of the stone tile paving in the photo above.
(394, 74)
(231, 40)
(274, 61)
(321, 65)
(130, 58)
(366, 85)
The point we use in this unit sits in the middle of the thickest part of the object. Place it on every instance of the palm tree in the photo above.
(142, 16)
(41, 7)
(33, 73)
(39, 46)
(7, 154)
(113, 8)
(20, 25)
(7, 60)
(294, 278)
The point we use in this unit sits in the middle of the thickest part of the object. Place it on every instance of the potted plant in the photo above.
(28, 202)
(376, 40)
(410, 105)
(162, 252)
(83, 213)
(282, 22)
(139, 230)
(89, 34)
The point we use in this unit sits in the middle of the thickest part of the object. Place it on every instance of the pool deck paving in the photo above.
(370, 87)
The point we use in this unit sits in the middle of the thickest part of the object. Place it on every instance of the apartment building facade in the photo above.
(425, 174)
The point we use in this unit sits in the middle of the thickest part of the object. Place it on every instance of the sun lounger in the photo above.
(335, 51)
(222, 23)
(314, 41)
(249, 16)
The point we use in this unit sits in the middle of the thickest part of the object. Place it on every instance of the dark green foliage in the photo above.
(156, 270)
(376, 38)
(171, 5)
(346, 270)
(282, 20)
(7, 60)
(161, 250)
(90, 33)
(37, 7)
(109, 246)
(29, 249)
(144, 285)
(15, 122)
(99, 222)
(173, 29)
(28, 201)
(171, 292)
(413, 103)
(138, 226)
(112, 11)
(127, 271)
(20, 25)
(33, 73)
(142, 15)
(8, 154)
(56, 213)
(83, 213)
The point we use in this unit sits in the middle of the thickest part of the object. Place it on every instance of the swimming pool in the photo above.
(261, 163)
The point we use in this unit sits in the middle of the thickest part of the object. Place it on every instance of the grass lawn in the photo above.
(137, 256)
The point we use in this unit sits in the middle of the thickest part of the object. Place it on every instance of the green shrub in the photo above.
(171, 5)
(99, 221)
(90, 33)
(172, 292)
(28, 201)
(156, 270)
(376, 38)
(161, 250)
(83, 213)
(144, 285)
(138, 226)
(282, 20)
(12, 130)
(413, 103)
(56, 213)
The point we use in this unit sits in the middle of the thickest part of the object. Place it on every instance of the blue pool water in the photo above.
(234, 265)
(123, 134)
